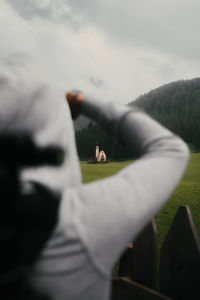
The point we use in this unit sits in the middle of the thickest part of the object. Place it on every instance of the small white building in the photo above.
(100, 155)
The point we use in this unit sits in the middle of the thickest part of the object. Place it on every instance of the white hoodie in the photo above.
(96, 220)
(30, 101)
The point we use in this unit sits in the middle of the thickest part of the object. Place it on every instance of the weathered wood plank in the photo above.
(126, 289)
(180, 259)
(139, 262)
(125, 263)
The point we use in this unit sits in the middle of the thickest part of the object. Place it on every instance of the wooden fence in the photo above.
(179, 260)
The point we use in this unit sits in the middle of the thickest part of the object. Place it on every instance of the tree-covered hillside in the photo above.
(175, 105)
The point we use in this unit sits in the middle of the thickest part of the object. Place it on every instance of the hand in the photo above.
(75, 103)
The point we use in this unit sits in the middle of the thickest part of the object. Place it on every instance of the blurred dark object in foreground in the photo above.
(27, 218)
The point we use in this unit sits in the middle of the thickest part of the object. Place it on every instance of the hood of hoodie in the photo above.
(30, 101)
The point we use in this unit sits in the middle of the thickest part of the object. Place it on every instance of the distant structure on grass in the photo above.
(100, 155)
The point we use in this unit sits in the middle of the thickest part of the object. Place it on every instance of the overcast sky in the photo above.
(117, 49)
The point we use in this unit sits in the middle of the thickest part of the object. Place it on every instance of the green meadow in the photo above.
(187, 193)
(93, 172)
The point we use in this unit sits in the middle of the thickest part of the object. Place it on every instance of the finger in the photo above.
(68, 97)
(78, 97)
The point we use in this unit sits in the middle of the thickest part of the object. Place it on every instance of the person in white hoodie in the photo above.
(95, 221)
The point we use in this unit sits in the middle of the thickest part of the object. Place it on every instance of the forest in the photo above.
(175, 105)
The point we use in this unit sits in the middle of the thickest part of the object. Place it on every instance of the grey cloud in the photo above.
(157, 40)
(56, 11)
(168, 26)
(96, 81)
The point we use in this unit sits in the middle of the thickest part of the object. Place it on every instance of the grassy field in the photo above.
(187, 193)
(92, 172)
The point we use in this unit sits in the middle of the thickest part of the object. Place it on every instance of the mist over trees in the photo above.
(175, 105)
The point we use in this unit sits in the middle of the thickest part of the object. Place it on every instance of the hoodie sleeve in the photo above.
(110, 213)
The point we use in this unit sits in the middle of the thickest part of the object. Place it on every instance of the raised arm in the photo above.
(112, 211)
